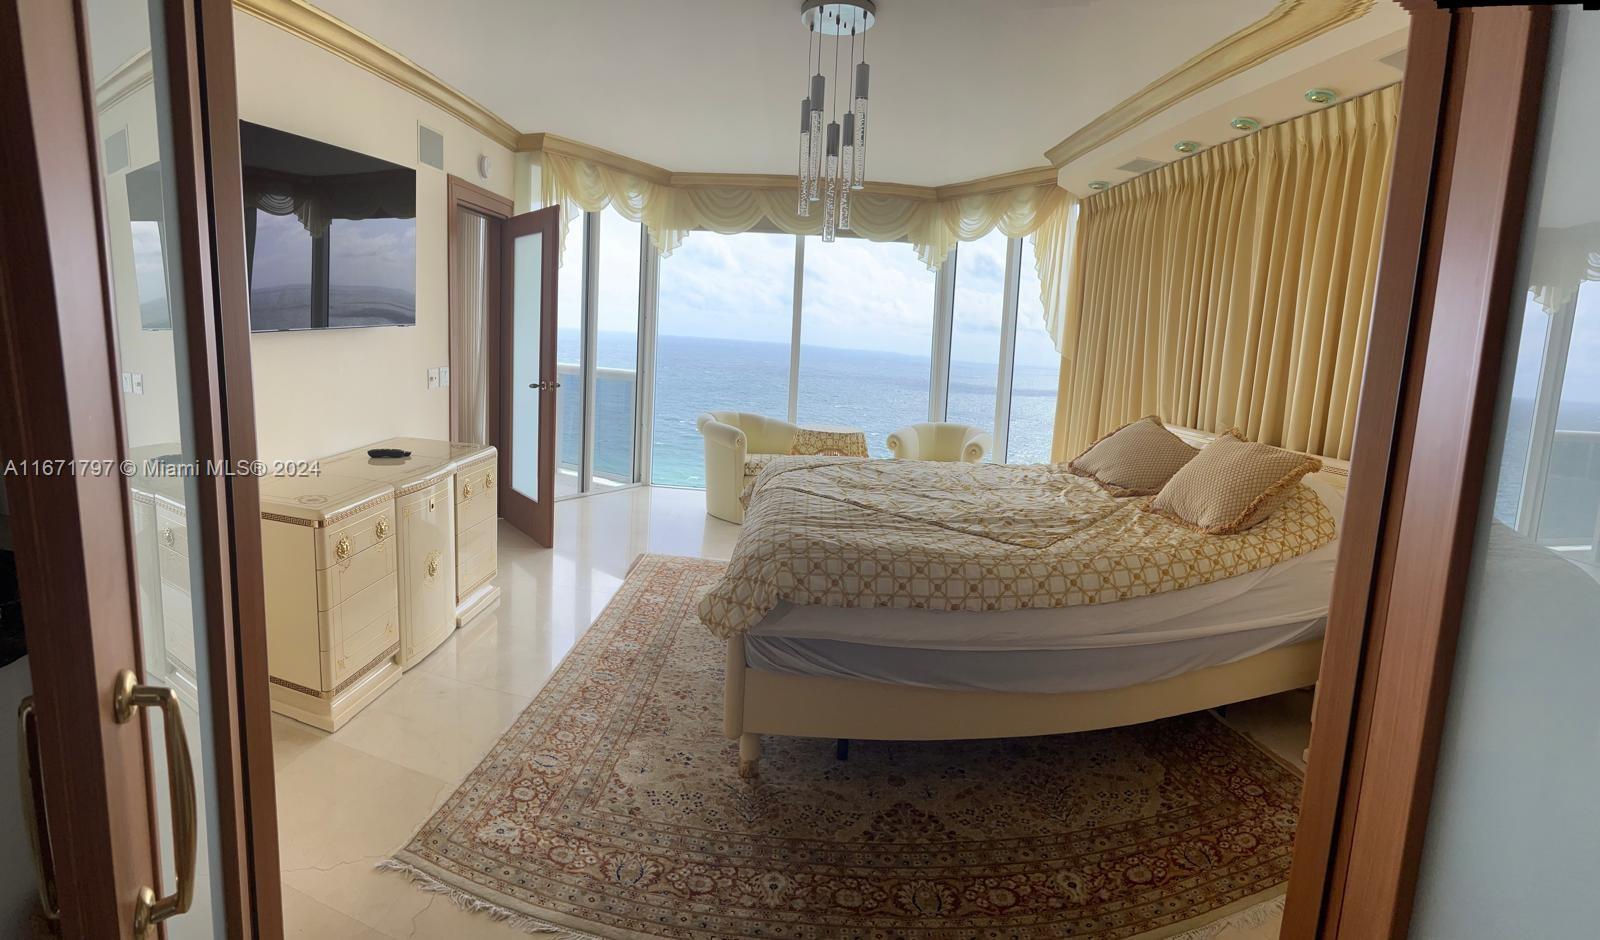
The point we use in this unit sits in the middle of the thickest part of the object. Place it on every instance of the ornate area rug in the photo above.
(613, 808)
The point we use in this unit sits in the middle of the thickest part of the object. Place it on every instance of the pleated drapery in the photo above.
(670, 213)
(470, 357)
(1233, 288)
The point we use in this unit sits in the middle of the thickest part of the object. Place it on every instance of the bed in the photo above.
(931, 602)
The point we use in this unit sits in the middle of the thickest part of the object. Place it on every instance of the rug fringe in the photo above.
(476, 905)
(1258, 915)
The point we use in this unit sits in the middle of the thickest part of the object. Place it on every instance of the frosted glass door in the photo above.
(1510, 848)
(528, 344)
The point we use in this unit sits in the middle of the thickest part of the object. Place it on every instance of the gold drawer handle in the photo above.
(466, 491)
(128, 696)
(431, 504)
(168, 537)
(433, 564)
(383, 527)
(343, 548)
(488, 481)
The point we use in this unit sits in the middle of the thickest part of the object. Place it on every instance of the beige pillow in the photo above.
(1136, 459)
(1232, 485)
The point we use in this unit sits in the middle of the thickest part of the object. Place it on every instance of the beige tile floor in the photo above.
(348, 800)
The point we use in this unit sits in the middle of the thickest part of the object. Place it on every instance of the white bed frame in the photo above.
(758, 702)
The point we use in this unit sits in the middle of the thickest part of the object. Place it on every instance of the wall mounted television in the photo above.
(330, 234)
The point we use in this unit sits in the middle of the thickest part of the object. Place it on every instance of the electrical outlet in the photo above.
(444, 376)
(138, 383)
(433, 378)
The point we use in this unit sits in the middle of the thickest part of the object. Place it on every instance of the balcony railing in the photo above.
(615, 395)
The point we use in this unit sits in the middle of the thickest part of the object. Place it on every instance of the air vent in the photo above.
(1395, 60)
(117, 151)
(430, 147)
(1141, 165)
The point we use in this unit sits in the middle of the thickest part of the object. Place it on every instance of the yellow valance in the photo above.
(670, 211)
(1233, 288)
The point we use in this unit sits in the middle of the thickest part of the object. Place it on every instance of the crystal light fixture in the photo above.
(833, 153)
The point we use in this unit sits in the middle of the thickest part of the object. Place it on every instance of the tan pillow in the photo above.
(1136, 459)
(1232, 485)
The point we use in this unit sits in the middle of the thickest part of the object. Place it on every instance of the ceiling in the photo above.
(961, 89)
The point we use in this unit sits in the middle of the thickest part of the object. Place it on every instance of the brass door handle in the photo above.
(127, 697)
(27, 730)
(545, 386)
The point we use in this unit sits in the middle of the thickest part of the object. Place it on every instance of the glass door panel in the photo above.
(976, 334)
(616, 349)
(148, 298)
(571, 339)
(1035, 373)
(528, 343)
(1509, 848)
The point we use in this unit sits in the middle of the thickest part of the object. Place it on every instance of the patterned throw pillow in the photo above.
(1136, 459)
(1232, 485)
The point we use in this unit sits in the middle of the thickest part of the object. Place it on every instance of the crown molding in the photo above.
(359, 49)
(1290, 23)
(1034, 176)
(126, 79)
(567, 147)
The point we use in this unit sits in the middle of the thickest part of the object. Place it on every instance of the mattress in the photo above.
(1059, 670)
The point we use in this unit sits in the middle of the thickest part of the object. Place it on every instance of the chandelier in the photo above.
(833, 159)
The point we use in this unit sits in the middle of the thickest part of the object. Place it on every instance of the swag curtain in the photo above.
(670, 213)
(1233, 288)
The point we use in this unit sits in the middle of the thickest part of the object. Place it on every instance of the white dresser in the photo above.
(425, 509)
(331, 564)
(476, 495)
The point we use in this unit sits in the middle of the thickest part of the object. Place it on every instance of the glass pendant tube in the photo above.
(830, 212)
(847, 164)
(818, 89)
(804, 208)
(863, 74)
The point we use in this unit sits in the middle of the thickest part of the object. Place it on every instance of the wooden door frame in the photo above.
(496, 209)
(57, 331)
(1449, 257)
(538, 523)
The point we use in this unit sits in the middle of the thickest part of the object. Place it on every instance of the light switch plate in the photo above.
(433, 378)
(444, 376)
(127, 383)
(138, 383)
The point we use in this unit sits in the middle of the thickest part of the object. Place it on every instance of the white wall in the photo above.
(318, 393)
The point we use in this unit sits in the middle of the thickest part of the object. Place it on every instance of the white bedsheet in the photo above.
(1059, 670)
(1294, 592)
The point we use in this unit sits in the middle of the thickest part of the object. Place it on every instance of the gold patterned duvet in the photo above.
(847, 532)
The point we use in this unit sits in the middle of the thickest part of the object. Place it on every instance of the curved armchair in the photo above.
(942, 441)
(738, 445)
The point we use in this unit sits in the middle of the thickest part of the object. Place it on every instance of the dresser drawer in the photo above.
(345, 579)
(360, 646)
(477, 490)
(476, 557)
(172, 530)
(352, 536)
(337, 625)
(427, 570)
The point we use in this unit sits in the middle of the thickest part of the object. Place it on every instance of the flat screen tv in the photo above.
(330, 235)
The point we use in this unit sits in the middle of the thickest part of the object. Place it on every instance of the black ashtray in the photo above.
(387, 452)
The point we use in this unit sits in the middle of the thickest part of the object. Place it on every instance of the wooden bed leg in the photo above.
(749, 755)
(841, 749)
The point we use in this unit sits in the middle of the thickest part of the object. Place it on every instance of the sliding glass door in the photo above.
(606, 264)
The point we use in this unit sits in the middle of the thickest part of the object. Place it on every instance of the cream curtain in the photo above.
(469, 365)
(1234, 287)
(670, 213)
(1562, 259)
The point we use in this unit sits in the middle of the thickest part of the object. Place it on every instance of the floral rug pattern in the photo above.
(613, 808)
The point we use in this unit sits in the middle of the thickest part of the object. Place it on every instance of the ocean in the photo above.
(874, 391)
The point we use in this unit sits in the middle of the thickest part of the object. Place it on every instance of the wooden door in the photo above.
(527, 378)
(125, 333)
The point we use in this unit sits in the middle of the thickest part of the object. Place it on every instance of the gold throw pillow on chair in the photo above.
(1231, 485)
(1136, 459)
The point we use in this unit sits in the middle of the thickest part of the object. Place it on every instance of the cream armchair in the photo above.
(738, 445)
(942, 441)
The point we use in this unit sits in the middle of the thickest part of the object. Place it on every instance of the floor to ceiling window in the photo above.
(600, 303)
(866, 328)
(1035, 372)
(724, 320)
(977, 333)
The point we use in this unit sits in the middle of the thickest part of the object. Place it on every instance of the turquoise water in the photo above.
(875, 391)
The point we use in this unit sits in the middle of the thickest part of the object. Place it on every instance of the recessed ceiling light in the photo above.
(1186, 146)
(1098, 185)
(1245, 124)
(1322, 96)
